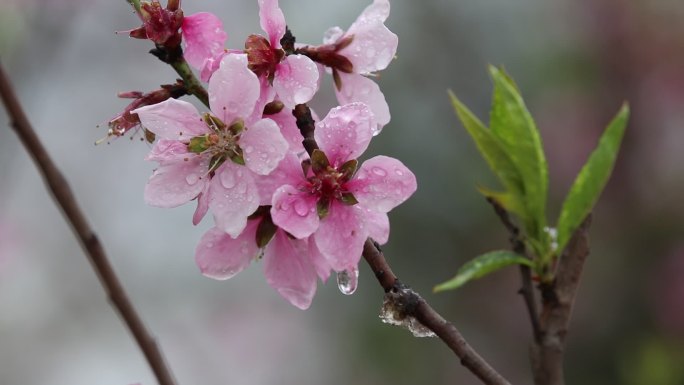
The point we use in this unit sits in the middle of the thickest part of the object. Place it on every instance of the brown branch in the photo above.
(558, 298)
(415, 306)
(62, 194)
(518, 247)
(306, 126)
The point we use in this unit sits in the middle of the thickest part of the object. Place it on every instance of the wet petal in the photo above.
(358, 88)
(341, 235)
(289, 171)
(374, 45)
(233, 196)
(288, 127)
(382, 183)
(165, 150)
(203, 38)
(221, 257)
(378, 225)
(295, 211)
(263, 146)
(233, 89)
(202, 206)
(176, 183)
(296, 80)
(272, 21)
(288, 269)
(266, 95)
(319, 262)
(172, 119)
(345, 132)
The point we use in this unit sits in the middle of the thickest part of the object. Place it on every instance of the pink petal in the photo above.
(288, 127)
(263, 146)
(221, 257)
(233, 196)
(382, 183)
(288, 269)
(289, 171)
(176, 183)
(378, 11)
(272, 21)
(296, 80)
(164, 151)
(202, 206)
(358, 88)
(345, 132)
(374, 45)
(378, 226)
(319, 262)
(266, 95)
(341, 235)
(233, 89)
(172, 119)
(203, 38)
(295, 211)
(332, 35)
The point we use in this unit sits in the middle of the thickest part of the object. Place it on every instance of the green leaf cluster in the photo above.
(512, 148)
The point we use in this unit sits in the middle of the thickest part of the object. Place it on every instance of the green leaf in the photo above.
(491, 149)
(593, 177)
(512, 124)
(508, 201)
(481, 266)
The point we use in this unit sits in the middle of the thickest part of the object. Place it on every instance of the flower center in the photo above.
(261, 57)
(221, 143)
(328, 183)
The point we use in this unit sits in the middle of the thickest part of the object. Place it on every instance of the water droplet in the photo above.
(242, 188)
(379, 171)
(284, 206)
(249, 149)
(301, 208)
(227, 179)
(210, 245)
(370, 52)
(347, 281)
(192, 178)
(398, 172)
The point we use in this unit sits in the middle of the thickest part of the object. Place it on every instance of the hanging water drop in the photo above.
(348, 280)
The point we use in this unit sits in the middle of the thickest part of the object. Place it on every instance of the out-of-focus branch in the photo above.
(415, 306)
(558, 299)
(518, 246)
(64, 197)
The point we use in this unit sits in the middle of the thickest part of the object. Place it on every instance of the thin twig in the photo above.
(558, 299)
(64, 197)
(418, 308)
(518, 246)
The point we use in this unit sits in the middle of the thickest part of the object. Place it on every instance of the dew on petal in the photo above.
(227, 179)
(347, 280)
(192, 178)
(379, 171)
(301, 208)
(249, 149)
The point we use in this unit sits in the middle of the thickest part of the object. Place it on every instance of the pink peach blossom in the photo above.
(291, 266)
(336, 205)
(202, 156)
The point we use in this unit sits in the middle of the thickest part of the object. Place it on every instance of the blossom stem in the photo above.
(426, 315)
(306, 126)
(518, 246)
(192, 84)
(62, 193)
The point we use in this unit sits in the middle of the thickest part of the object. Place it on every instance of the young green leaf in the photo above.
(592, 178)
(481, 266)
(512, 124)
(490, 148)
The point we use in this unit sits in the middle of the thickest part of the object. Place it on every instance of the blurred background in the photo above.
(575, 62)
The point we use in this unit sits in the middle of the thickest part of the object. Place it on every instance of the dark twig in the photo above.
(61, 192)
(174, 57)
(417, 307)
(306, 126)
(558, 299)
(518, 246)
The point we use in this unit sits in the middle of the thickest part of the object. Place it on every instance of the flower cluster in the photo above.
(279, 185)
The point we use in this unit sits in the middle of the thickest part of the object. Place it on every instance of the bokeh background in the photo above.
(575, 61)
